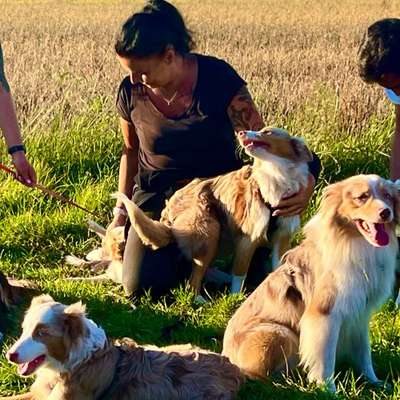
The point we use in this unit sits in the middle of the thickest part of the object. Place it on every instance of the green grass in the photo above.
(81, 160)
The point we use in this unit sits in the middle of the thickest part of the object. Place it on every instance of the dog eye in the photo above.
(42, 332)
(362, 197)
(388, 196)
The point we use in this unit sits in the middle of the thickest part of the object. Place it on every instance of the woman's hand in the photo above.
(295, 204)
(25, 172)
(119, 220)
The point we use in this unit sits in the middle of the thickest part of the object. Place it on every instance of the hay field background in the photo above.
(299, 59)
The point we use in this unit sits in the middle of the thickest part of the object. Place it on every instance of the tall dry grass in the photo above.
(294, 54)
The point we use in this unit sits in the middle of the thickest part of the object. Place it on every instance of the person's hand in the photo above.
(295, 204)
(119, 220)
(25, 172)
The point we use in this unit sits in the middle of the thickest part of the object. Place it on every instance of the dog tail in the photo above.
(151, 233)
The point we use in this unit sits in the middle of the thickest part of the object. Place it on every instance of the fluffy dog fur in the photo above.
(108, 257)
(73, 360)
(318, 303)
(235, 206)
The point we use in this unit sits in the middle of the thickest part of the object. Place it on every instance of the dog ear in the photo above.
(301, 150)
(331, 199)
(44, 298)
(76, 309)
(74, 327)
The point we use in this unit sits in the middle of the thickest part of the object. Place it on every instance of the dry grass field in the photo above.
(299, 60)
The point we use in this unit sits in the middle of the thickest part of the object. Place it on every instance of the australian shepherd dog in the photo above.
(236, 206)
(73, 360)
(317, 305)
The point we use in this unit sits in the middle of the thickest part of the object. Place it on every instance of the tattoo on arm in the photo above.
(3, 80)
(243, 112)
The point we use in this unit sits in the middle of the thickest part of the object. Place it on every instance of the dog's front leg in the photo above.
(319, 334)
(244, 252)
(360, 352)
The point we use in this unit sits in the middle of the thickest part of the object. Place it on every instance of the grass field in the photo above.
(299, 59)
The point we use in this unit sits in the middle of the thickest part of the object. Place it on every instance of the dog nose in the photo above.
(12, 357)
(384, 213)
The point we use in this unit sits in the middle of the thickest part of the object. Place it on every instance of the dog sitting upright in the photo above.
(319, 302)
(236, 206)
(73, 360)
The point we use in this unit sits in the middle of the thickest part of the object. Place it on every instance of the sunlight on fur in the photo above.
(319, 302)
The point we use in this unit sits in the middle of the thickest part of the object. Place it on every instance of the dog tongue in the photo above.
(29, 368)
(379, 234)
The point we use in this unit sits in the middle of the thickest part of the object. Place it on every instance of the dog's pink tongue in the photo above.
(29, 368)
(379, 234)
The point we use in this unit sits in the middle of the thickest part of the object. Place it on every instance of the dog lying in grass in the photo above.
(73, 360)
(11, 293)
(236, 206)
(106, 258)
(319, 302)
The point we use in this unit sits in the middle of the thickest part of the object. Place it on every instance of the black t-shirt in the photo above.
(199, 143)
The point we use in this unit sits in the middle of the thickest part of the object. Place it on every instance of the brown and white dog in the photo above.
(11, 293)
(236, 206)
(73, 360)
(319, 302)
(106, 258)
(6, 298)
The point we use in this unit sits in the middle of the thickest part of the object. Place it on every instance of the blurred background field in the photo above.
(299, 60)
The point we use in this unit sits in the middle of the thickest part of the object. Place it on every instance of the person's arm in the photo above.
(9, 125)
(395, 155)
(244, 115)
(128, 167)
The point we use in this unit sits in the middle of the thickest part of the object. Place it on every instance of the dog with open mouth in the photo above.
(73, 359)
(317, 305)
(233, 209)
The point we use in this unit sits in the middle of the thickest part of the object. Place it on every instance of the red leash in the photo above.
(51, 193)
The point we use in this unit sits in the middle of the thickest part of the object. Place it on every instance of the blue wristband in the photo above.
(14, 149)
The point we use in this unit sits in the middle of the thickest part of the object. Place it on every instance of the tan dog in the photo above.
(108, 257)
(318, 303)
(236, 206)
(73, 360)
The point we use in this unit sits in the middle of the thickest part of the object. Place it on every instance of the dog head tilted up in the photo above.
(54, 336)
(274, 145)
(365, 206)
(280, 164)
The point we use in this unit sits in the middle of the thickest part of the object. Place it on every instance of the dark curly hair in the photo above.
(150, 31)
(379, 52)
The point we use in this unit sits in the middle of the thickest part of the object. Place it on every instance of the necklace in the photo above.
(171, 100)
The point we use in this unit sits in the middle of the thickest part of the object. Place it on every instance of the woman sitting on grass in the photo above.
(179, 112)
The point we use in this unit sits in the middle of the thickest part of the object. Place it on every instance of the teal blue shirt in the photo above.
(3, 80)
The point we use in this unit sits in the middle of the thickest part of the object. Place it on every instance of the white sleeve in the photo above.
(392, 96)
